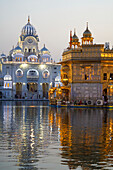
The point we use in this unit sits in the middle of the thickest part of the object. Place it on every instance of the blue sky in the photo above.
(53, 20)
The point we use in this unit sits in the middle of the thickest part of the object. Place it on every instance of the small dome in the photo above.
(87, 33)
(3, 55)
(7, 77)
(28, 29)
(75, 38)
(44, 50)
(18, 48)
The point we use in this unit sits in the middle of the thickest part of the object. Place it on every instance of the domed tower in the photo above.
(28, 40)
(87, 37)
(44, 55)
(74, 40)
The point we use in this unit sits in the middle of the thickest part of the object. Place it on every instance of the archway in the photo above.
(18, 90)
(32, 87)
(45, 88)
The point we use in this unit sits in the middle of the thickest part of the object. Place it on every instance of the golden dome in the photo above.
(87, 33)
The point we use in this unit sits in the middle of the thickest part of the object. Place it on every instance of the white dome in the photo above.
(44, 51)
(7, 77)
(28, 29)
(3, 55)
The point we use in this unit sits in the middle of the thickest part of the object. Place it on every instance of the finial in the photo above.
(28, 19)
(87, 25)
(70, 33)
(44, 45)
(74, 31)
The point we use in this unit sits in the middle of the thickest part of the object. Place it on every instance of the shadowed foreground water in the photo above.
(35, 136)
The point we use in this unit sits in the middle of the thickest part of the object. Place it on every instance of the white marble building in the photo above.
(27, 72)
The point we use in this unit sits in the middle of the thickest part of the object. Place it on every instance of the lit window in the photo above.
(111, 76)
(86, 77)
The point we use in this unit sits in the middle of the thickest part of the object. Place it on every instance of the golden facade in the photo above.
(87, 68)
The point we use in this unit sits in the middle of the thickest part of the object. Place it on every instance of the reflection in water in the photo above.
(35, 136)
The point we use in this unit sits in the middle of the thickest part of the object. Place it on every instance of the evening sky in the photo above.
(53, 20)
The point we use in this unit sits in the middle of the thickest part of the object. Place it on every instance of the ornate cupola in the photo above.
(87, 37)
(29, 39)
(28, 30)
(74, 40)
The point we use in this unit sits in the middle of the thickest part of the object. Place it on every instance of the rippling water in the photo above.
(35, 136)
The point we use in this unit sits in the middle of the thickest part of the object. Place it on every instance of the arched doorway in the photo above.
(45, 88)
(32, 87)
(18, 90)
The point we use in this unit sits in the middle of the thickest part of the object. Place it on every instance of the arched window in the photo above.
(32, 58)
(32, 73)
(25, 50)
(19, 73)
(45, 74)
(33, 50)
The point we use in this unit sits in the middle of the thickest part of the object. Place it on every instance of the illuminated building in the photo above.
(27, 72)
(86, 71)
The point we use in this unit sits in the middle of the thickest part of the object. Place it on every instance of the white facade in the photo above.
(27, 72)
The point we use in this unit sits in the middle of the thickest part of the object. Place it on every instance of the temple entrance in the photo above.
(65, 94)
(45, 88)
(18, 90)
(32, 87)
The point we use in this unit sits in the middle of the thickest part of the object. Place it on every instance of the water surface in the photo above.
(35, 136)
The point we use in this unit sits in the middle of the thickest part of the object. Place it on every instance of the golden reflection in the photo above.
(83, 134)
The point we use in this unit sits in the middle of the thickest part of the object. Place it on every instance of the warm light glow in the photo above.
(24, 65)
(42, 66)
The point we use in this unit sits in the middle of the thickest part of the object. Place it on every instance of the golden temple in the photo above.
(86, 71)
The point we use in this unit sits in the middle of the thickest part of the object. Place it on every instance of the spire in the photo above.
(70, 39)
(44, 45)
(74, 31)
(87, 25)
(28, 19)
